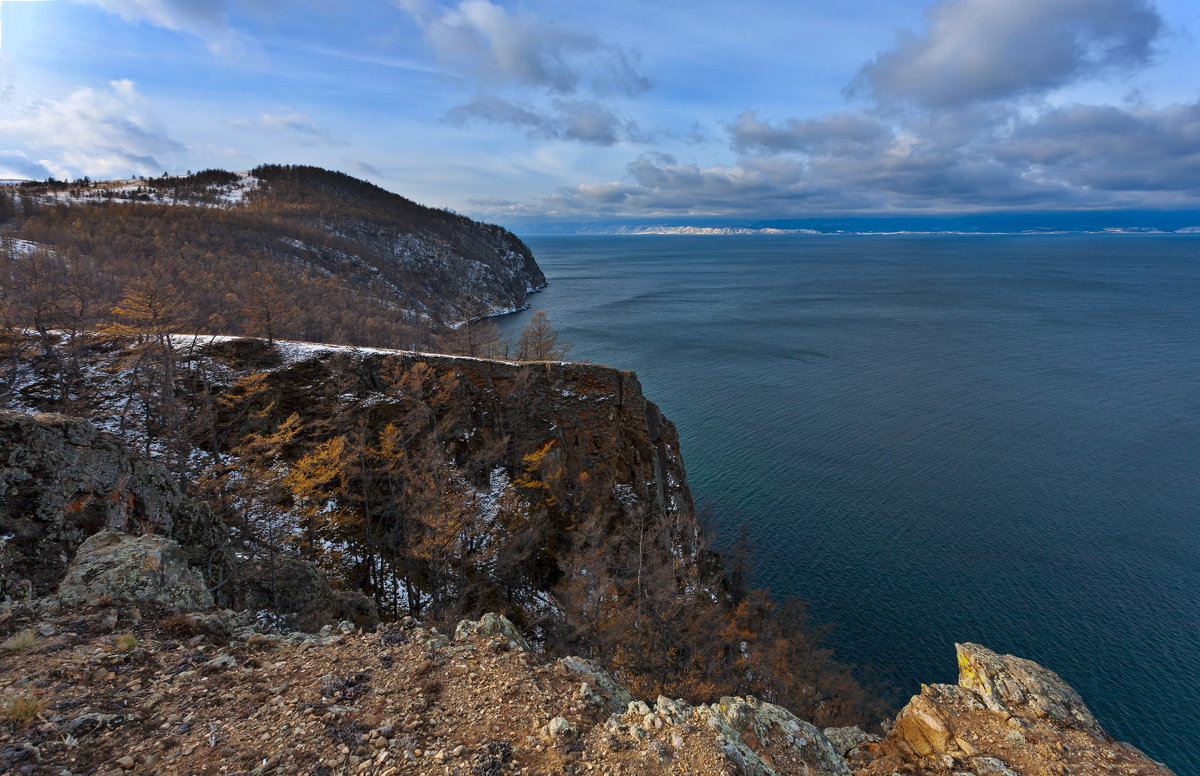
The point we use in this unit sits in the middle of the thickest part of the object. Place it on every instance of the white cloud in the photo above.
(104, 133)
(16, 165)
(1105, 148)
(552, 82)
(293, 123)
(206, 20)
(586, 121)
(483, 42)
(838, 133)
(980, 50)
(1078, 156)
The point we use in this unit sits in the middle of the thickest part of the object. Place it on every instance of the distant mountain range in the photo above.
(1065, 222)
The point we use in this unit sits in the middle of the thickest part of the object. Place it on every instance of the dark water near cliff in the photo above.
(937, 439)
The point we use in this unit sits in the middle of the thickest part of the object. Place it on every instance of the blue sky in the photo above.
(626, 111)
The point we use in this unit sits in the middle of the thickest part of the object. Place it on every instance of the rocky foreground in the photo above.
(92, 682)
(115, 688)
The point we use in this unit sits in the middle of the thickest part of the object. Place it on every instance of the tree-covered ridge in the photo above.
(297, 252)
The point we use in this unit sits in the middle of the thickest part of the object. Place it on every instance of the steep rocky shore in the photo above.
(113, 659)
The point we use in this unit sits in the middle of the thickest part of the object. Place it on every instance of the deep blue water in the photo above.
(937, 439)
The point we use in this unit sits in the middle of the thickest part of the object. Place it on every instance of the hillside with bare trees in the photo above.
(279, 251)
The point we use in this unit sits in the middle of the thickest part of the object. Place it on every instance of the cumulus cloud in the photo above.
(1105, 148)
(972, 144)
(482, 41)
(660, 185)
(980, 50)
(586, 121)
(1076, 156)
(94, 132)
(550, 81)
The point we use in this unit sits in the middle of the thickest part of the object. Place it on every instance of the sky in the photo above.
(622, 111)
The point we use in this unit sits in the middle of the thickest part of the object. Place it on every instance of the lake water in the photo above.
(937, 439)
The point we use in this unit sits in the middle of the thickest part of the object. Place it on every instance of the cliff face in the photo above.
(578, 425)
(65, 483)
(580, 438)
(540, 452)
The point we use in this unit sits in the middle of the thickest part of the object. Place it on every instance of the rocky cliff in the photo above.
(577, 425)
(112, 659)
(1006, 716)
(62, 480)
(565, 443)
(69, 492)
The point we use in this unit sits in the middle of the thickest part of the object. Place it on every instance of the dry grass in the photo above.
(21, 708)
(125, 642)
(19, 642)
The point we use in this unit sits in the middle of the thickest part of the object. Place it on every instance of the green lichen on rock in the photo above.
(742, 722)
(111, 564)
(491, 624)
(601, 688)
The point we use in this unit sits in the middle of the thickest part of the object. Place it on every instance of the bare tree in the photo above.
(539, 341)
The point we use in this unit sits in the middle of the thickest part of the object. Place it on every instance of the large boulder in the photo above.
(62, 480)
(115, 565)
(491, 624)
(601, 687)
(1006, 716)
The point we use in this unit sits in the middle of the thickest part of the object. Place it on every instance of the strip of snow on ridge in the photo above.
(137, 190)
(292, 351)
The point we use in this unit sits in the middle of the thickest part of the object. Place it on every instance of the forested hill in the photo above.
(279, 251)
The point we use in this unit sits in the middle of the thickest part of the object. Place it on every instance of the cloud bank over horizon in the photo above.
(954, 118)
(544, 112)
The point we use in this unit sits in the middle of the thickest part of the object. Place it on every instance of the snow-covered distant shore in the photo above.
(737, 231)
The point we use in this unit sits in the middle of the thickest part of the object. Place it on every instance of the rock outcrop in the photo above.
(1006, 716)
(62, 480)
(765, 739)
(80, 509)
(114, 565)
(491, 625)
